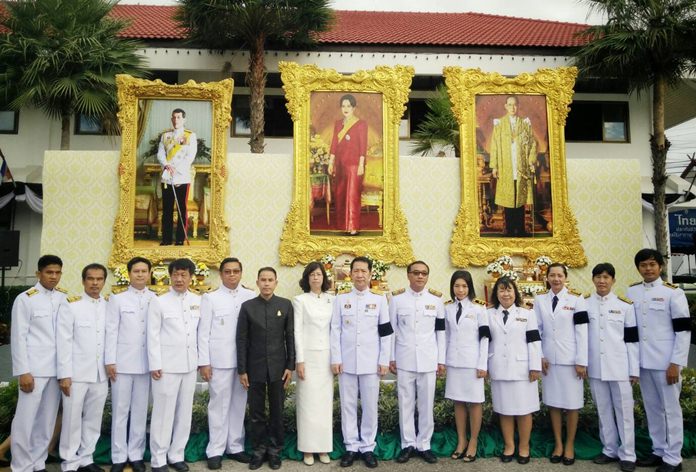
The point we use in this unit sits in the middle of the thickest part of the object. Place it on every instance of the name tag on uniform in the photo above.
(429, 307)
(657, 299)
(615, 312)
(568, 308)
(521, 319)
(370, 306)
(347, 306)
(470, 316)
(193, 307)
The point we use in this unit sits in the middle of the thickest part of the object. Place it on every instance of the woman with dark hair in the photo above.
(563, 322)
(347, 163)
(466, 326)
(514, 364)
(315, 381)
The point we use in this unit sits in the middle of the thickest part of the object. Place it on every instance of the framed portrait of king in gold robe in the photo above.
(513, 173)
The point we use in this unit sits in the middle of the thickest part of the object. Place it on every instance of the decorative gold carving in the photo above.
(130, 90)
(468, 247)
(297, 245)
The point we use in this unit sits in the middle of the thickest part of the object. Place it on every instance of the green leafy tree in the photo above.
(62, 56)
(254, 25)
(651, 44)
(439, 127)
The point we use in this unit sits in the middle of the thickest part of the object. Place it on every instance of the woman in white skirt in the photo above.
(315, 380)
(563, 323)
(466, 326)
(514, 364)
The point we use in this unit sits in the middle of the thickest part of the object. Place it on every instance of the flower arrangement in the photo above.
(379, 268)
(511, 274)
(202, 270)
(121, 275)
(531, 289)
(328, 260)
(318, 154)
(494, 267)
(543, 261)
(505, 261)
(344, 285)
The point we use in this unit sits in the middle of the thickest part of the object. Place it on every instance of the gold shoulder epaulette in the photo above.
(449, 302)
(398, 292)
(670, 285)
(479, 302)
(577, 293)
(587, 295)
(61, 290)
(32, 291)
(159, 294)
(74, 298)
(344, 290)
(106, 297)
(624, 299)
(376, 292)
(635, 283)
(435, 292)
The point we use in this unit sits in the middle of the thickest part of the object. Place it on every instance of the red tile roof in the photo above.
(150, 22)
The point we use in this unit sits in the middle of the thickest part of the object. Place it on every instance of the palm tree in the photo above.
(649, 44)
(439, 127)
(62, 56)
(254, 25)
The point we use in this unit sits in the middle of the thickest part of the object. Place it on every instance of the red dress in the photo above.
(347, 152)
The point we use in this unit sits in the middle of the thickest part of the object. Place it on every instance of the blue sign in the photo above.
(682, 228)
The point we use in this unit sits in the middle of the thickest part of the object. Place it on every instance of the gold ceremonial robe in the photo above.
(501, 149)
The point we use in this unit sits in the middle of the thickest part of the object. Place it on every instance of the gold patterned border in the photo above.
(468, 247)
(297, 245)
(130, 90)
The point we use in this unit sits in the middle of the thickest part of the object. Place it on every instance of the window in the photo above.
(598, 121)
(413, 116)
(277, 119)
(88, 125)
(9, 122)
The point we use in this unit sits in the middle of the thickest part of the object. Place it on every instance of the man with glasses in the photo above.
(418, 318)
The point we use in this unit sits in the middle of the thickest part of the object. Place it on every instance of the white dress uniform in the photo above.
(664, 325)
(217, 347)
(126, 347)
(172, 152)
(467, 349)
(564, 344)
(514, 350)
(418, 320)
(315, 392)
(80, 340)
(613, 358)
(361, 342)
(34, 316)
(172, 347)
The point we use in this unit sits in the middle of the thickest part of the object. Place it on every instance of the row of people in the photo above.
(141, 341)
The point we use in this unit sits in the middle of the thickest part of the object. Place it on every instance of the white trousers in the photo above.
(170, 426)
(130, 395)
(614, 400)
(367, 386)
(416, 389)
(33, 424)
(81, 427)
(225, 413)
(664, 414)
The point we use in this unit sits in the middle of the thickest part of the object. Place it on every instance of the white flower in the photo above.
(494, 267)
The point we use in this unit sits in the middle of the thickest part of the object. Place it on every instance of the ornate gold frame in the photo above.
(297, 244)
(468, 247)
(130, 90)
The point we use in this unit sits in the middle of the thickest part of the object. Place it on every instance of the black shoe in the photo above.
(568, 460)
(137, 466)
(214, 462)
(428, 456)
(274, 462)
(370, 460)
(604, 459)
(627, 466)
(162, 468)
(506, 458)
(241, 457)
(650, 461)
(90, 468)
(255, 462)
(405, 454)
(555, 459)
(523, 459)
(118, 467)
(348, 458)
(164, 243)
(179, 466)
(665, 467)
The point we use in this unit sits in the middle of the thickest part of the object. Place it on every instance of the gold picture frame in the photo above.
(315, 101)
(528, 215)
(210, 105)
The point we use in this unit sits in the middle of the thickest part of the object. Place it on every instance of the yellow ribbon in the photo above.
(347, 125)
(175, 145)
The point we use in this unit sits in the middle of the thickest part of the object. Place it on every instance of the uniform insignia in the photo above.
(626, 300)
(376, 292)
(32, 291)
(435, 292)
(371, 306)
(347, 306)
(615, 312)
(479, 302)
(194, 307)
(279, 314)
(670, 285)
(429, 307)
(74, 298)
(398, 292)
(61, 290)
(521, 319)
(635, 283)
(449, 302)
(575, 292)
(587, 295)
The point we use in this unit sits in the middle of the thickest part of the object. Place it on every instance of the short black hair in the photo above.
(227, 260)
(505, 282)
(47, 260)
(311, 267)
(182, 264)
(137, 260)
(408, 267)
(466, 277)
(266, 269)
(646, 254)
(351, 99)
(604, 267)
(179, 110)
(558, 264)
(364, 259)
(93, 266)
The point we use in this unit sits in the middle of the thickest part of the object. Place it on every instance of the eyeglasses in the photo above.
(418, 273)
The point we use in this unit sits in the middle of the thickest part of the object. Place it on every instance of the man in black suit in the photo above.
(265, 361)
